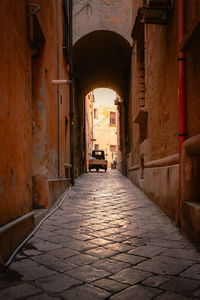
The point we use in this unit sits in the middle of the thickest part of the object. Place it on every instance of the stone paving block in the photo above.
(156, 280)
(117, 238)
(59, 239)
(49, 227)
(79, 245)
(112, 231)
(176, 236)
(57, 283)
(168, 244)
(87, 273)
(20, 256)
(31, 252)
(135, 242)
(46, 246)
(100, 234)
(101, 252)
(130, 276)
(131, 259)
(172, 296)
(197, 293)
(31, 270)
(193, 272)
(183, 253)
(97, 226)
(54, 263)
(82, 259)
(119, 247)
(35, 240)
(111, 265)
(147, 251)
(19, 291)
(110, 285)
(164, 265)
(87, 231)
(63, 252)
(44, 233)
(100, 241)
(43, 297)
(65, 232)
(180, 285)
(82, 237)
(137, 292)
(85, 292)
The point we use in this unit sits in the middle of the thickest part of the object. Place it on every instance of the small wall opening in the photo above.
(192, 178)
(141, 167)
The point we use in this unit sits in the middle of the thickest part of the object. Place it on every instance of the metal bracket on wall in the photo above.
(33, 12)
(61, 82)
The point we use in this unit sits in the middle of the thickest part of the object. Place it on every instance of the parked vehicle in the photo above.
(97, 161)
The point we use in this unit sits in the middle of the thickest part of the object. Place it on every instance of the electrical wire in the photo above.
(35, 229)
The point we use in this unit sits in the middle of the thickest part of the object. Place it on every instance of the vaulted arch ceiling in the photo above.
(101, 59)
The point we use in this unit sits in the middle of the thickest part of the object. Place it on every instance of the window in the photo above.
(113, 148)
(95, 113)
(113, 118)
(141, 68)
(96, 146)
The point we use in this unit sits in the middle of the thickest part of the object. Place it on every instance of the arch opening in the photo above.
(101, 126)
(101, 59)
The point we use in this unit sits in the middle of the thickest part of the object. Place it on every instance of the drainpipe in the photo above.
(181, 85)
(58, 94)
(71, 91)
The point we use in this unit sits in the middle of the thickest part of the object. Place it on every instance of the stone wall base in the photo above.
(13, 233)
(56, 188)
(161, 184)
(159, 179)
(190, 187)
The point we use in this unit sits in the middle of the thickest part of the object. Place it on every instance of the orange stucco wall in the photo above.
(192, 11)
(29, 103)
(15, 112)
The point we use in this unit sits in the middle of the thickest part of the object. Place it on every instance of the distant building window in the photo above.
(95, 113)
(113, 118)
(96, 147)
(113, 148)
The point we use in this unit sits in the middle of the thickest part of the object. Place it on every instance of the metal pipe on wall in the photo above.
(58, 93)
(181, 77)
(71, 91)
(181, 87)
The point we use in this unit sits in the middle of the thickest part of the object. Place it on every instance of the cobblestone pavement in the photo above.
(106, 241)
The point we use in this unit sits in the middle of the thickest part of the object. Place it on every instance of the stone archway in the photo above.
(101, 59)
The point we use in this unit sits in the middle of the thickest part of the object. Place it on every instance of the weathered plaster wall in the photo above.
(15, 112)
(28, 115)
(190, 161)
(145, 159)
(192, 12)
(92, 15)
(161, 75)
(49, 64)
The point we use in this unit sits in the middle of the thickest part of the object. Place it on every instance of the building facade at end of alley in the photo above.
(148, 52)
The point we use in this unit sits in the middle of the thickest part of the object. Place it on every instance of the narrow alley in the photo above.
(107, 240)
